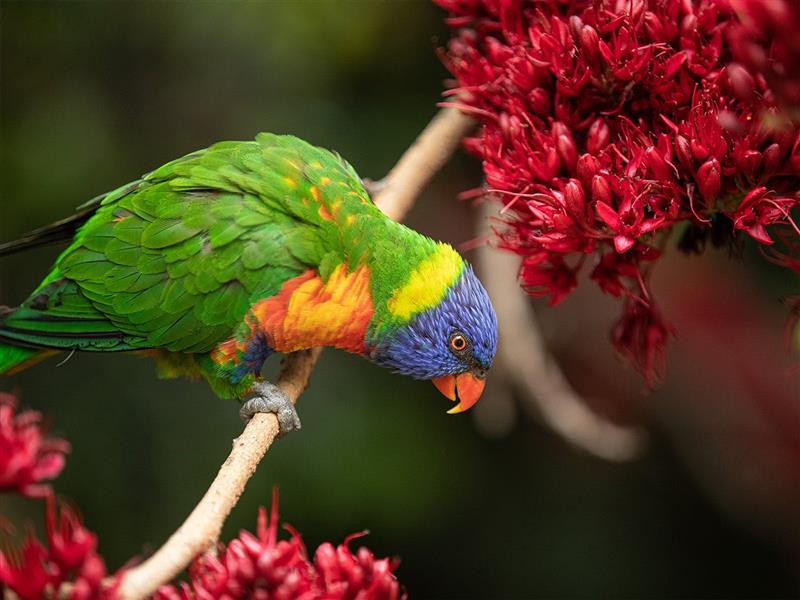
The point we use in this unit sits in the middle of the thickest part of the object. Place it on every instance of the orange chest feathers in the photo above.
(308, 312)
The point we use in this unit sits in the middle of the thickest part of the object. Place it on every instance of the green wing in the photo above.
(175, 259)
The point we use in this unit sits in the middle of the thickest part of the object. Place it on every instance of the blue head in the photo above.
(452, 343)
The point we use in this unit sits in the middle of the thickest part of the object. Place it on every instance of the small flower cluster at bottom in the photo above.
(28, 456)
(251, 566)
(262, 567)
(36, 571)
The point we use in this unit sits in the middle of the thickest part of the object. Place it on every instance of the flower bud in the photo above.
(552, 164)
(658, 166)
(93, 570)
(607, 54)
(708, 179)
(684, 152)
(753, 195)
(81, 590)
(590, 44)
(524, 76)
(655, 28)
(559, 128)
(601, 191)
(575, 27)
(497, 52)
(587, 167)
(239, 563)
(514, 125)
(599, 136)
(565, 145)
(575, 200)
(325, 559)
(265, 562)
(503, 122)
(689, 25)
(740, 81)
(539, 101)
(699, 151)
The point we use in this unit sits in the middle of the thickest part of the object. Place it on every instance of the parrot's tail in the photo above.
(14, 359)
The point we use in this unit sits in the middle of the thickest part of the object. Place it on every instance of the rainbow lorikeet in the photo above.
(216, 260)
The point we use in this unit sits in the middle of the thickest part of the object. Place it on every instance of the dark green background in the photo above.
(94, 94)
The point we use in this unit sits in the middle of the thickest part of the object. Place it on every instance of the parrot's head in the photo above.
(452, 343)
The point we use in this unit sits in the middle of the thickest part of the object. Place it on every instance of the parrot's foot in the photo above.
(269, 398)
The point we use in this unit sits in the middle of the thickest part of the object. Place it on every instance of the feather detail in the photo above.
(306, 312)
(427, 283)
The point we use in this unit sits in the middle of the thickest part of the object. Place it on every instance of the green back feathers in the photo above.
(175, 259)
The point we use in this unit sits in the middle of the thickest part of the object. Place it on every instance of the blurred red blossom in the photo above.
(611, 126)
(261, 567)
(27, 456)
(36, 571)
(766, 44)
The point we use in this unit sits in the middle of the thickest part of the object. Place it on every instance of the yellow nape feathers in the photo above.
(428, 283)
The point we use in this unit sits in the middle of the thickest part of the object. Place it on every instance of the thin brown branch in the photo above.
(535, 372)
(201, 528)
(430, 151)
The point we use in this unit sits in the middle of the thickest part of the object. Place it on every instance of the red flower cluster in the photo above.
(250, 566)
(611, 125)
(27, 456)
(71, 556)
(261, 567)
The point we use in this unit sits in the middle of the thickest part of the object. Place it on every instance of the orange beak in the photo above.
(464, 388)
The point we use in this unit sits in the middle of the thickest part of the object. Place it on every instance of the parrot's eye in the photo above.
(458, 343)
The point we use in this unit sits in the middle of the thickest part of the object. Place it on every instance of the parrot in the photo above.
(216, 260)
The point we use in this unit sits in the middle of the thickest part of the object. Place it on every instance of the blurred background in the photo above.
(488, 504)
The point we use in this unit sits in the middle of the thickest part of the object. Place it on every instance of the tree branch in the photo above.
(201, 528)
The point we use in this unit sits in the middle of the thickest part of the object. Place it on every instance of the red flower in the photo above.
(260, 566)
(360, 575)
(70, 543)
(607, 123)
(546, 275)
(758, 210)
(70, 557)
(24, 572)
(640, 336)
(27, 456)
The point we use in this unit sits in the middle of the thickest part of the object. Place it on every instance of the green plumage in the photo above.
(13, 357)
(175, 260)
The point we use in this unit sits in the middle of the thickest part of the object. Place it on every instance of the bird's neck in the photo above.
(408, 276)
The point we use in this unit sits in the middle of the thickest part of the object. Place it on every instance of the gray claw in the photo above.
(269, 398)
